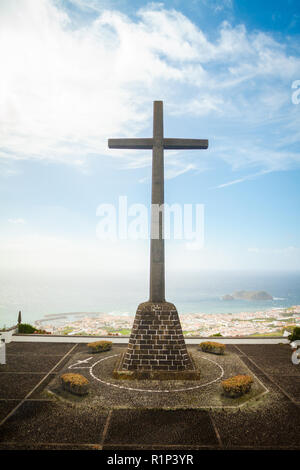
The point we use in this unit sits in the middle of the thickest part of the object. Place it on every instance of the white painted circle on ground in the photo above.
(155, 391)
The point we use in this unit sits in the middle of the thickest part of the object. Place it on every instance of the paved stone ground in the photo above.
(32, 419)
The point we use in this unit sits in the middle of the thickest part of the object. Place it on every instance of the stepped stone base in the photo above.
(156, 348)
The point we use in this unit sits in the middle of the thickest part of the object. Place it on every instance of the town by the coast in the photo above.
(271, 322)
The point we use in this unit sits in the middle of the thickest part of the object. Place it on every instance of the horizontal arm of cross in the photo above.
(168, 144)
(187, 144)
(130, 143)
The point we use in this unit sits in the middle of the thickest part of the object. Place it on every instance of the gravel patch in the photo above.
(47, 422)
(40, 349)
(274, 426)
(28, 363)
(108, 393)
(18, 385)
(160, 428)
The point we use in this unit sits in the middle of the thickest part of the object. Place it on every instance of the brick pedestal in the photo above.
(156, 348)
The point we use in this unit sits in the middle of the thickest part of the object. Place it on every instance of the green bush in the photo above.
(99, 346)
(26, 328)
(295, 334)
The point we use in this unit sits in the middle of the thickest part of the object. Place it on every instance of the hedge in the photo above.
(100, 346)
(212, 347)
(237, 386)
(75, 383)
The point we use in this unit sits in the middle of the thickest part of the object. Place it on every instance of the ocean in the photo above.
(40, 294)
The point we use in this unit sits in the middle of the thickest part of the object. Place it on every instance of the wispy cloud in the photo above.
(276, 251)
(216, 5)
(55, 253)
(66, 88)
(244, 178)
(173, 172)
(16, 221)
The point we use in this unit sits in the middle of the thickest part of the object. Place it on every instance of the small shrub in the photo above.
(100, 346)
(212, 347)
(295, 334)
(237, 386)
(26, 328)
(75, 383)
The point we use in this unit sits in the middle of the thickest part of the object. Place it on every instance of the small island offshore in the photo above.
(248, 295)
(271, 322)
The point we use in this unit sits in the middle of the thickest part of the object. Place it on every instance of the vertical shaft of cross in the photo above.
(156, 348)
(158, 143)
(157, 249)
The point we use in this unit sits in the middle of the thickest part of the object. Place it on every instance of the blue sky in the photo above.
(75, 73)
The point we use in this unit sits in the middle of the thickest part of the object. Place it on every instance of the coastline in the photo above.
(272, 321)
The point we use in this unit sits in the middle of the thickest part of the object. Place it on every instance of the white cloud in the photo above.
(173, 172)
(218, 5)
(194, 246)
(16, 221)
(38, 252)
(66, 88)
(244, 178)
(289, 250)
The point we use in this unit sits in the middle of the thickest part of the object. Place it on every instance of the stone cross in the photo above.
(157, 143)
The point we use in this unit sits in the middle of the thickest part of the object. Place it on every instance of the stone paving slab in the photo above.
(41, 349)
(263, 350)
(6, 406)
(28, 363)
(290, 384)
(160, 428)
(48, 422)
(252, 365)
(276, 426)
(273, 421)
(18, 385)
(277, 366)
